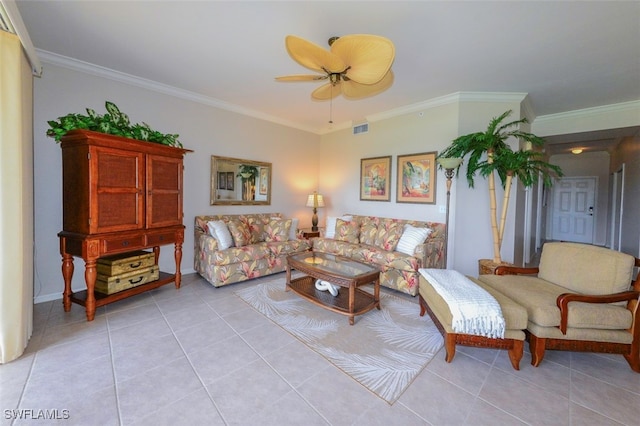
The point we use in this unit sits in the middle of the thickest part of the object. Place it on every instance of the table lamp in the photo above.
(315, 200)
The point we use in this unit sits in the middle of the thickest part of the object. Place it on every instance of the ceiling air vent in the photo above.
(361, 128)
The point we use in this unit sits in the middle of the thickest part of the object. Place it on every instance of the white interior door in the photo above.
(573, 209)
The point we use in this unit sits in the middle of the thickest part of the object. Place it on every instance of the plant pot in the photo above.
(488, 266)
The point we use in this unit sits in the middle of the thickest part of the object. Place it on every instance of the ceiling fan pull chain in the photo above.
(331, 106)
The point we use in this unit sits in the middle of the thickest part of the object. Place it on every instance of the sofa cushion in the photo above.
(389, 233)
(348, 231)
(385, 259)
(256, 227)
(515, 316)
(293, 230)
(332, 246)
(277, 230)
(600, 316)
(219, 230)
(586, 269)
(248, 253)
(536, 295)
(411, 238)
(369, 230)
(240, 232)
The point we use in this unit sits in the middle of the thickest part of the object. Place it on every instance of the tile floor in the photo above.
(201, 356)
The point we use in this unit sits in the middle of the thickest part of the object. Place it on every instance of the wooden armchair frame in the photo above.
(538, 345)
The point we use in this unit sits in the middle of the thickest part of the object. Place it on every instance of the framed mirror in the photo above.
(235, 181)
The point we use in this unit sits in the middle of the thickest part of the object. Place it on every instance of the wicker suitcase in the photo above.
(112, 284)
(124, 263)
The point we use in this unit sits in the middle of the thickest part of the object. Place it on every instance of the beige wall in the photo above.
(302, 162)
(204, 129)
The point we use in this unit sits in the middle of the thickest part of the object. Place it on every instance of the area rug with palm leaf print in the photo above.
(384, 350)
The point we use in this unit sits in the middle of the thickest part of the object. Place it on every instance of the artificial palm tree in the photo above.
(489, 154)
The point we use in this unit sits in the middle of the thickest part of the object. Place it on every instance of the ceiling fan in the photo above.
(356, 66)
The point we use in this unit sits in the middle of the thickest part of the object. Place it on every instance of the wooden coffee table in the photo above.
(341, 271)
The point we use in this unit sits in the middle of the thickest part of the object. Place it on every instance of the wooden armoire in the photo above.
(119, 195)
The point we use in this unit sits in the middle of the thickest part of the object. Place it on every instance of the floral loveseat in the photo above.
(244, 246)
(398, 247)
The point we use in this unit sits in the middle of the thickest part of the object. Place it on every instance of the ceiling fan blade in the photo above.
(353, 90)
(301, 77)
(369, 57)
(312, 56)
(327, 91)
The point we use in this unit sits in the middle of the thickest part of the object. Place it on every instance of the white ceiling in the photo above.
(565, 55)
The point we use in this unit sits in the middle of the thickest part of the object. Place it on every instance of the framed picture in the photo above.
(264, 180)
(375, 179)
(416, 181)
(230, 181)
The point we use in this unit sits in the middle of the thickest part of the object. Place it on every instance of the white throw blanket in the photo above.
(474, 310)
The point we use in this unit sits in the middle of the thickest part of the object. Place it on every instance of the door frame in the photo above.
(617, 207)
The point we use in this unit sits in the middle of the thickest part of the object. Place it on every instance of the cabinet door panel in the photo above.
(117, 181)
(164, 191)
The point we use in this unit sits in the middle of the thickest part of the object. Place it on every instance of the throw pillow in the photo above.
(389, 233)
(348, 231)
(293, 231)
(411, 237)
(330, 226)
(218, 229)
(369, 230)
(277, 230)
(240, 232)
(256, 227)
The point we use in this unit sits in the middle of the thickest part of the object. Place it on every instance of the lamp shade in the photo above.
(315, 200)
(449, 163)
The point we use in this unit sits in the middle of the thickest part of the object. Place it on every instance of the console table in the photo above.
(119, 195)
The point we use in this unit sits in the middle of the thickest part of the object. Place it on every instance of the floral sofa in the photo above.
(234, 248)
(398, 247)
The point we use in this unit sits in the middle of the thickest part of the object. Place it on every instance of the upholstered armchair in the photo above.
(580, 298)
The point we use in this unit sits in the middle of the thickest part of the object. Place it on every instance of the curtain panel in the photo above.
(16, 198)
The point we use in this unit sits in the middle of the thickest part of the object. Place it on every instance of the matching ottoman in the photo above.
(515, 317)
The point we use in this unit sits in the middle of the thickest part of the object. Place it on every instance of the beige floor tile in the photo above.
(221, 359)
(611, 401)
(178, 349)
(581, 416)
(204, 334)
(233, 397)
(194, 409)
(485, 414)
(296, 363)
(551, 377)
(524, 400)
(127, 317)
(336, 396)
(267, 337)
(190, 315)
(138, 333)
(136, 359)
(155, 389)
(437, 400)
(464, 371)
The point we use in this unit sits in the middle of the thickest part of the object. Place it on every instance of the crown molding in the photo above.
(453, 98)
(587, 113)
(88, 68)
